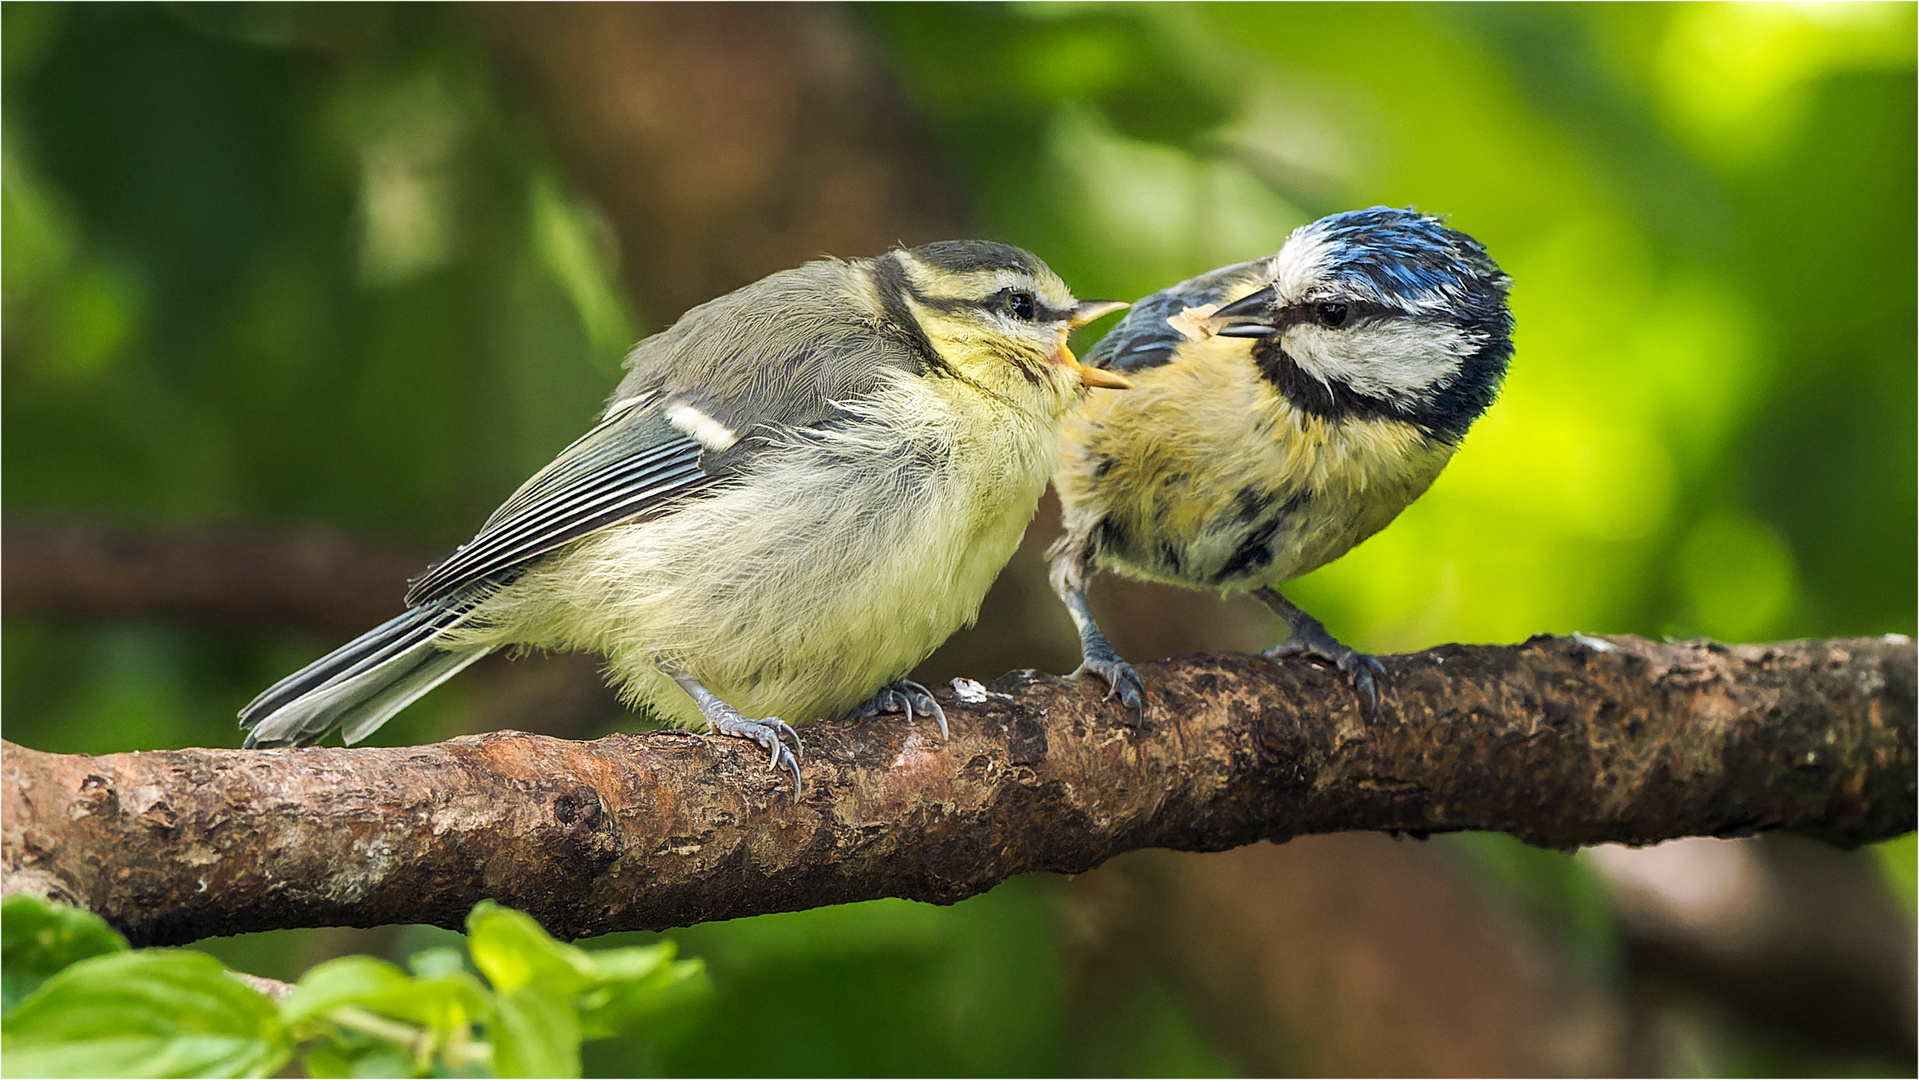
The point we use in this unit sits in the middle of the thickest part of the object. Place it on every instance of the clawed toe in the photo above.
(771, 734)
(1364, 672)
(904, 696)
(1121, 682)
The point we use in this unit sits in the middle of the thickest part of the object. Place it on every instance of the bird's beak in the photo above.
(1085, 312)
(1088, 310)
(1090, 376)
(1112, 380)
(1250, 316)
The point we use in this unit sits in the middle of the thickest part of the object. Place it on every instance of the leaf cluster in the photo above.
(79, 1002)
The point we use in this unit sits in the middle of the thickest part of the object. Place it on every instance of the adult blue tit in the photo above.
(1284, 409)
(798, 491)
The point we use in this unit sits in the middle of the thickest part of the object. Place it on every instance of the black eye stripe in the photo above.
(1000, 303)
(1314, 313)
(1026, 306)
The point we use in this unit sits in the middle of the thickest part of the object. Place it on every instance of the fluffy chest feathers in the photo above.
(1204, 475)
(839, 561)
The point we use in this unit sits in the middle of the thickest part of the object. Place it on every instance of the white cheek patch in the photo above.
(1301, 263)
(1397, 358)
(700, 427)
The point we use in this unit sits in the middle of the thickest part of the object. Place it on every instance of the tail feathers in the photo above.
(360, 685)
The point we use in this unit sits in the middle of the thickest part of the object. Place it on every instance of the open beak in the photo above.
(1085, 312)
(1250, 316)
(1088, 310)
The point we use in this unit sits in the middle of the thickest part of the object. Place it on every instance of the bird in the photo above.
(1283, 410)
(797, 491)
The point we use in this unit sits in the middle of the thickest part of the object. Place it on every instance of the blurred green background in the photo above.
(283, 266)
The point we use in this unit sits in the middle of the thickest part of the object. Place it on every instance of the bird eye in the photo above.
(1333, 315)
(1022, 305)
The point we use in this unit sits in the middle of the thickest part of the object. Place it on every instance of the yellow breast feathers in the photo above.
(1170, 482)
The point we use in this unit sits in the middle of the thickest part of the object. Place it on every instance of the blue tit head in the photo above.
(1380, 312)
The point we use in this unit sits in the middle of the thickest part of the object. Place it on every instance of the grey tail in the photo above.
(360, 685)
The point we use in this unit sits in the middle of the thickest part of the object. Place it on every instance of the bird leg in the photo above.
(1309, 638)
(724, 719)
(1071, 565)
(903, 696)
(1098, 656)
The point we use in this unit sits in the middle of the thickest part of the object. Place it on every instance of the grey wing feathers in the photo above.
(1143, 339)
(632, 462)
(753, 366)
(359, 685)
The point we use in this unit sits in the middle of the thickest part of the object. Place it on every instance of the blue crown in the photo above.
(1409, 258)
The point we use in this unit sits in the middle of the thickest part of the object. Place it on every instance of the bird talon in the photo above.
(904, 696)
(783, 731)
(1121, 681)
(1362, 671)
(769, 734)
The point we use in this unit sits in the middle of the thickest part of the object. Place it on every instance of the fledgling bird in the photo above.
(1283, 410)
(799, 490)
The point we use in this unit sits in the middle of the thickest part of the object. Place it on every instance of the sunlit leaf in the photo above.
(438, 1002)
(640, 1005)
(513, 952)
(535, 1034)
(156, 1012)
(39, 937)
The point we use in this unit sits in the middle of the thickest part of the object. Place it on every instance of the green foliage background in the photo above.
(277, 265)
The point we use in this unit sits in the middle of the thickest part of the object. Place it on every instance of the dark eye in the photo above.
(1333, 315)
(1022, 305)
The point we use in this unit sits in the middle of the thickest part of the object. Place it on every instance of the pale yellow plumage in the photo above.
(816, 580)
(799, 490)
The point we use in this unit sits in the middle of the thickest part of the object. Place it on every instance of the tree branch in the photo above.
(245, 578)
(1560, 741)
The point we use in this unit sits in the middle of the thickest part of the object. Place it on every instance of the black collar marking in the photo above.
(890, 276)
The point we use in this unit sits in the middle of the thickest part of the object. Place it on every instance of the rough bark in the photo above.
(1560, 741)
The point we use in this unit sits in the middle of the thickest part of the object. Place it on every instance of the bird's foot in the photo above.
(903, 696)
(1121, 680)
(770, 733)
(1361, 670)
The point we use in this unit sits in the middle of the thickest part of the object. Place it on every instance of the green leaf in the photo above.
(633, 962)
(39, 938)
(155, 1012)
(514, 953)
(370, 1059)
(350, 980)
(643, 1003)
(439, 1002)
(535, 1033)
